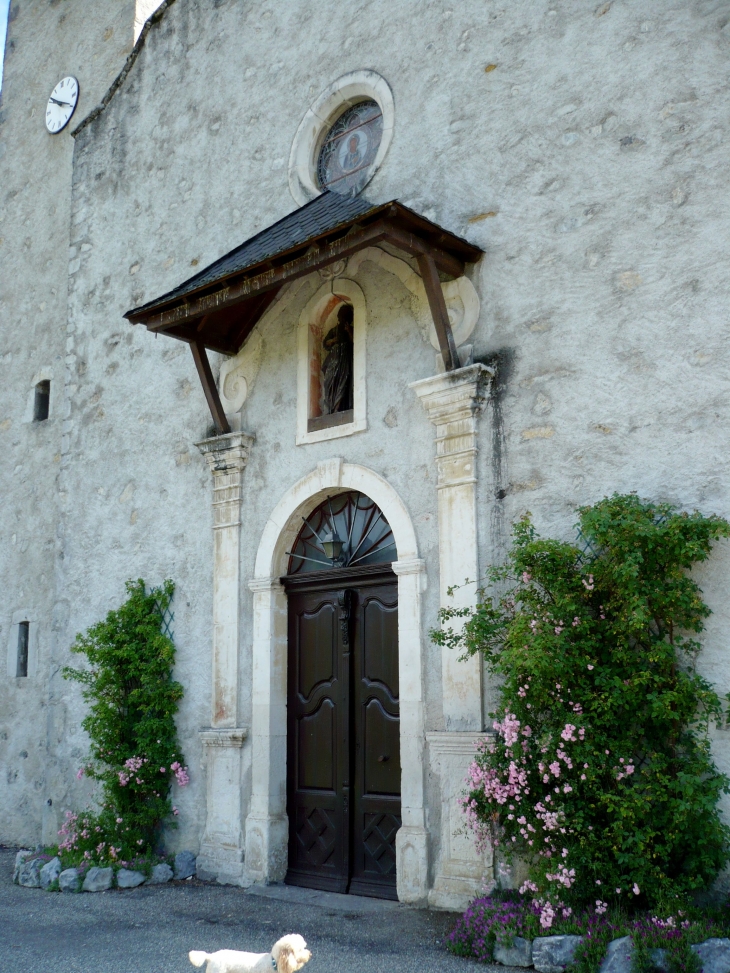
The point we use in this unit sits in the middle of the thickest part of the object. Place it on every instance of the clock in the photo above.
(62, 104)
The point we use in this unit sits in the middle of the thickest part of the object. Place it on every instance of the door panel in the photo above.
(317, 648)
(381, 737)
(343, 778)
(316, 769)
(376, 784)
(380, 640)
(317, 735)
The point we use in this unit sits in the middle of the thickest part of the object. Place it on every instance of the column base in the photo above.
(221, 849)
(411, 854)
(218, 864)
(267, 840)
(454, 893)
(461, 872)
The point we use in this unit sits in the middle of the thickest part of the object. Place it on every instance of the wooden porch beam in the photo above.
(205, 374)
(415, 246)
(436, 302)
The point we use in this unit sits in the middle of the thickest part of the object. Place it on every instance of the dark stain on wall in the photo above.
(502, 361)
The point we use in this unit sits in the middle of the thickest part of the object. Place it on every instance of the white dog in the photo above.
(287, 955)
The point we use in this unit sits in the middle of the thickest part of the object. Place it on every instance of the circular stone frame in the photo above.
(346, 91)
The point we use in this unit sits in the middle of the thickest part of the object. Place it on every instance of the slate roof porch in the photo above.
(219, 306)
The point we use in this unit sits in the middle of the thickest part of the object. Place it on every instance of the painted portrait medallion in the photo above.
(350, 148)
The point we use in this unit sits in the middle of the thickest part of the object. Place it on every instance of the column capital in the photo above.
(228, 453)
(264, 584)
(411, 565)
(454, 395)
(458, 744)
(223, 737)
(453, 402)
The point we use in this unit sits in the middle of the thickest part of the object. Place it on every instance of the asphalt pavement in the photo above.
(151, 929)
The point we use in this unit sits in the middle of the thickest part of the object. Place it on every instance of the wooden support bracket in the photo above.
(436, 302)
(211, 392)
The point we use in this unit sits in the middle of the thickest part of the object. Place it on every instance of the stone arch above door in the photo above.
(266, 823)
(300, 500)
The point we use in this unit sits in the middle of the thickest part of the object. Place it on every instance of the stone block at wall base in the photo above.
(20, 860)
(619, 955)
(267, 841)
(551, 954)
(98, 879)
(160, 874)
(461, 872)
(453, 893)
(714, 955)
(50, 872)
(184, 864)
(221, 870)
(127, 879)
(518, 954)
(30, 873)
(69, 880)
(411, 851)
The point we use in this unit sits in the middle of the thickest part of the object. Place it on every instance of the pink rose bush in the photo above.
(599, 771)
(134, 753)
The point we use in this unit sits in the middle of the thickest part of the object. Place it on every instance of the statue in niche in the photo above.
(337, 366)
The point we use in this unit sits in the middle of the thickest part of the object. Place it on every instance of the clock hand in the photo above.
(63, 104)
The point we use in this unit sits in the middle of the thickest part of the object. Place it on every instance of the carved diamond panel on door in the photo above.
(379, 841)
(316, 835)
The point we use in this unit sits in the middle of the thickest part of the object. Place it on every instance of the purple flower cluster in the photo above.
(497, 919)
(489, 921)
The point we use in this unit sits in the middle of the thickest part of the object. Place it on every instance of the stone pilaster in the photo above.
(222, 847)
(411, 841)
(461, 870)
(267, 825)
(453, 402)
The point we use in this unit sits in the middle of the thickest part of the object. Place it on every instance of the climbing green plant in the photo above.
(134, 751)
(599, 774)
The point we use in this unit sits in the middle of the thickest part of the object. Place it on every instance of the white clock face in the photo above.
(61, 104)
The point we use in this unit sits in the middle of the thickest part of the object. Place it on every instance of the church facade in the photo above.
(302, 308)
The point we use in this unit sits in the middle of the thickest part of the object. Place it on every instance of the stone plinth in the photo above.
(461, 871)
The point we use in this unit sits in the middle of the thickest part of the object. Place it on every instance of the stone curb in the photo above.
(33, 872)
(551, 954)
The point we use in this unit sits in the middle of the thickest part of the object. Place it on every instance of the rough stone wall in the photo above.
(46, 41)
(581, 145)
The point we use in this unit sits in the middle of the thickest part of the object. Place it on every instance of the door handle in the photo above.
(383, 758)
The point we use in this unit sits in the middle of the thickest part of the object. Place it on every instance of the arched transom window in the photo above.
(347, 530)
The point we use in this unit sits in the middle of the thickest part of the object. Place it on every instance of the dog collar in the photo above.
(273, 963)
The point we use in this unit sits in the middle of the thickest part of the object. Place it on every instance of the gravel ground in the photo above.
(150, 930)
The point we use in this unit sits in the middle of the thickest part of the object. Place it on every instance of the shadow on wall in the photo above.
(502, 362)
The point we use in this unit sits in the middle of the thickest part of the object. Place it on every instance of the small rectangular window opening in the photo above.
(23, 633)
(42, 401)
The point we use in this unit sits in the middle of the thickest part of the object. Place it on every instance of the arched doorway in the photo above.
(343, 706)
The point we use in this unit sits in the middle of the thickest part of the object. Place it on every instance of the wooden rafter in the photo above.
(205, 374)
(440, 315)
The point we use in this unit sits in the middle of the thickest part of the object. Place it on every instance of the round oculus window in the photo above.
(349, 149)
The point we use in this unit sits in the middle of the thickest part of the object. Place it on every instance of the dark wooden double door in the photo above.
(343, 754)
